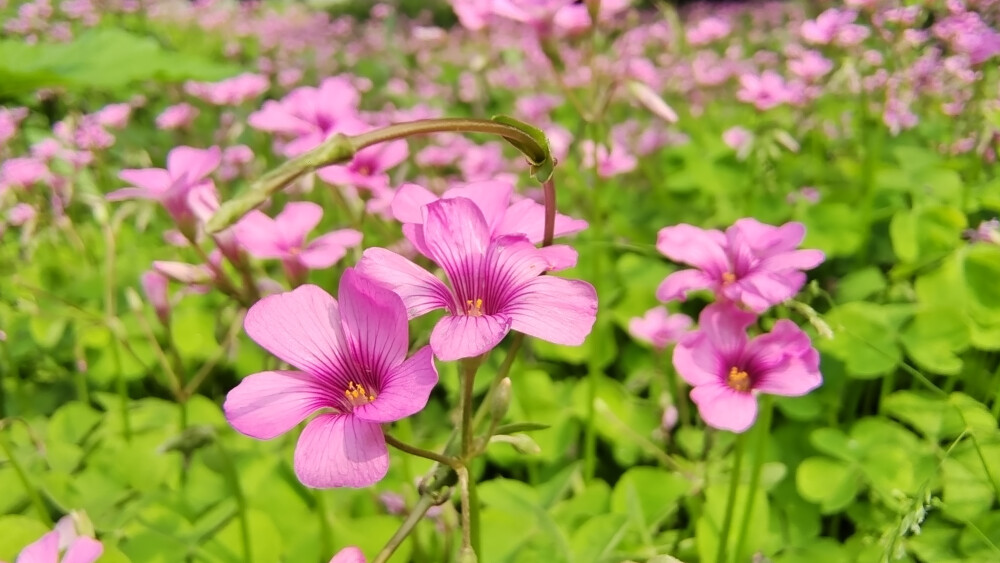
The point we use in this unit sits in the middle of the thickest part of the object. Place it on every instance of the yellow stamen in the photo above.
(474, 308)
(728, 278)
(738, 380)
(357, 395)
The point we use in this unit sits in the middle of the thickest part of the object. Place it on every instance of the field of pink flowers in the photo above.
(506, 281)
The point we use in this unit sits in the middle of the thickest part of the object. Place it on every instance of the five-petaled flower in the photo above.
(728, 369)
(351, 355)
(187, 169)
(496, 284)
(64, 538)
(753, 264)
(284, 238)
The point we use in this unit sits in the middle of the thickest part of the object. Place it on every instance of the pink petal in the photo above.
(392, 153)
(456, 235)
(697, 361)
(326, 250)
(760, 290)
(725, 326)
(421, 292)
(302, 327)
(349, 555)
(555, 309)
(490, 196)
(45, 550)
(724, 408)
(132, 193)
(793, 260)
(465, 336)
(793, 378)
(83, 550)
(338, 450)
(558, 257)
(678, 284)
(151, 180)
(409, 202)
(258, 234)
(296, 220)
(376, 333)
(697, 247)
(336, 175)
(405, 389)
(267, 404)
(193, 164)
(528, 218)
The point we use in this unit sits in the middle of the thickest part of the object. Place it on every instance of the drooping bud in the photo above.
(521, 442)
(501, 400)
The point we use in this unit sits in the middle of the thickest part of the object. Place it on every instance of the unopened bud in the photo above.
(652, 101)
(501, 400)
(133, 299)
(188, 274)
(521, 442)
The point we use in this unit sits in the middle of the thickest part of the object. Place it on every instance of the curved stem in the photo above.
(420, 452)
(734, 484)
(470, 508)
(763, 429)
(423, 505)
(22, 475)
(241, 501)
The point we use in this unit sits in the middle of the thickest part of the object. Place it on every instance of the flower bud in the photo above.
(501, 400)
(521, 442)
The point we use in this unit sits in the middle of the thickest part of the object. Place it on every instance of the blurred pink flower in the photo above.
(351, 354)
(728, 370)
(22, 172)
(154, 286)
(308, 115)
(10, 118)
(739, 139)
(187, 168)
(369, 169)
(234, 159)
(114, 116)
(752, 264)
(231, 91)
(349, 555)
(708, 30)
(658, 327)
(609, 162)
(764, 91)
(284, 238)
(64, 539)
(474, 15)
(810, 66)
(496, 285)
(176, 116)
(21, 214)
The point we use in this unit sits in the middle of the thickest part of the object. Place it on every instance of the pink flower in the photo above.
(537, 13)
(21, 214)
(230, 92)
(22, 172)
(187, 168)
(728, 370)
(828, 25)
(525, 217)
(765, 91)
(810, 66)
(369, 168)
(351, 357)
(473, 14)
(752, 264)
(739, 139)
(233, 160)
(708, 30)
(10, 118)
(496, 285)
(114, 116)
(575, 18)
(609, 162)
(307, 115)
(177, 116)
(154, 285)
(658, 327)
(349, 555)
(64, 538)
(284, 238)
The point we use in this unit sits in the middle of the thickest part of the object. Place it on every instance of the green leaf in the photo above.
(597, 538)
(982, 275)
(864, 339)
(930, 414)
(656, 491)
(72, 422)
(834, 228)
(830, 483)
(860, 284)
(935, 337)
(18, 532)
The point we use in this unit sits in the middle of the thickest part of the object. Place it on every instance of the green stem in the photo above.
(424, 503)
(734, 485)
(324, 525)
(241, 502)
(763, 430)
(420, 452)
(32, 493)
(470, 508)
(109, 317)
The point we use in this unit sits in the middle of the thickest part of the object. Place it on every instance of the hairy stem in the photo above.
(424, 503)
(734, 484)
(420, 452)
(763, 430)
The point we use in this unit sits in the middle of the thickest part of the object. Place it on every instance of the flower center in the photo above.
(738, 380)
(728, 278)
(474, 308)
(357, 395)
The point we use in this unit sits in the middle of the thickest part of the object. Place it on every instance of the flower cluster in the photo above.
(749, 268)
